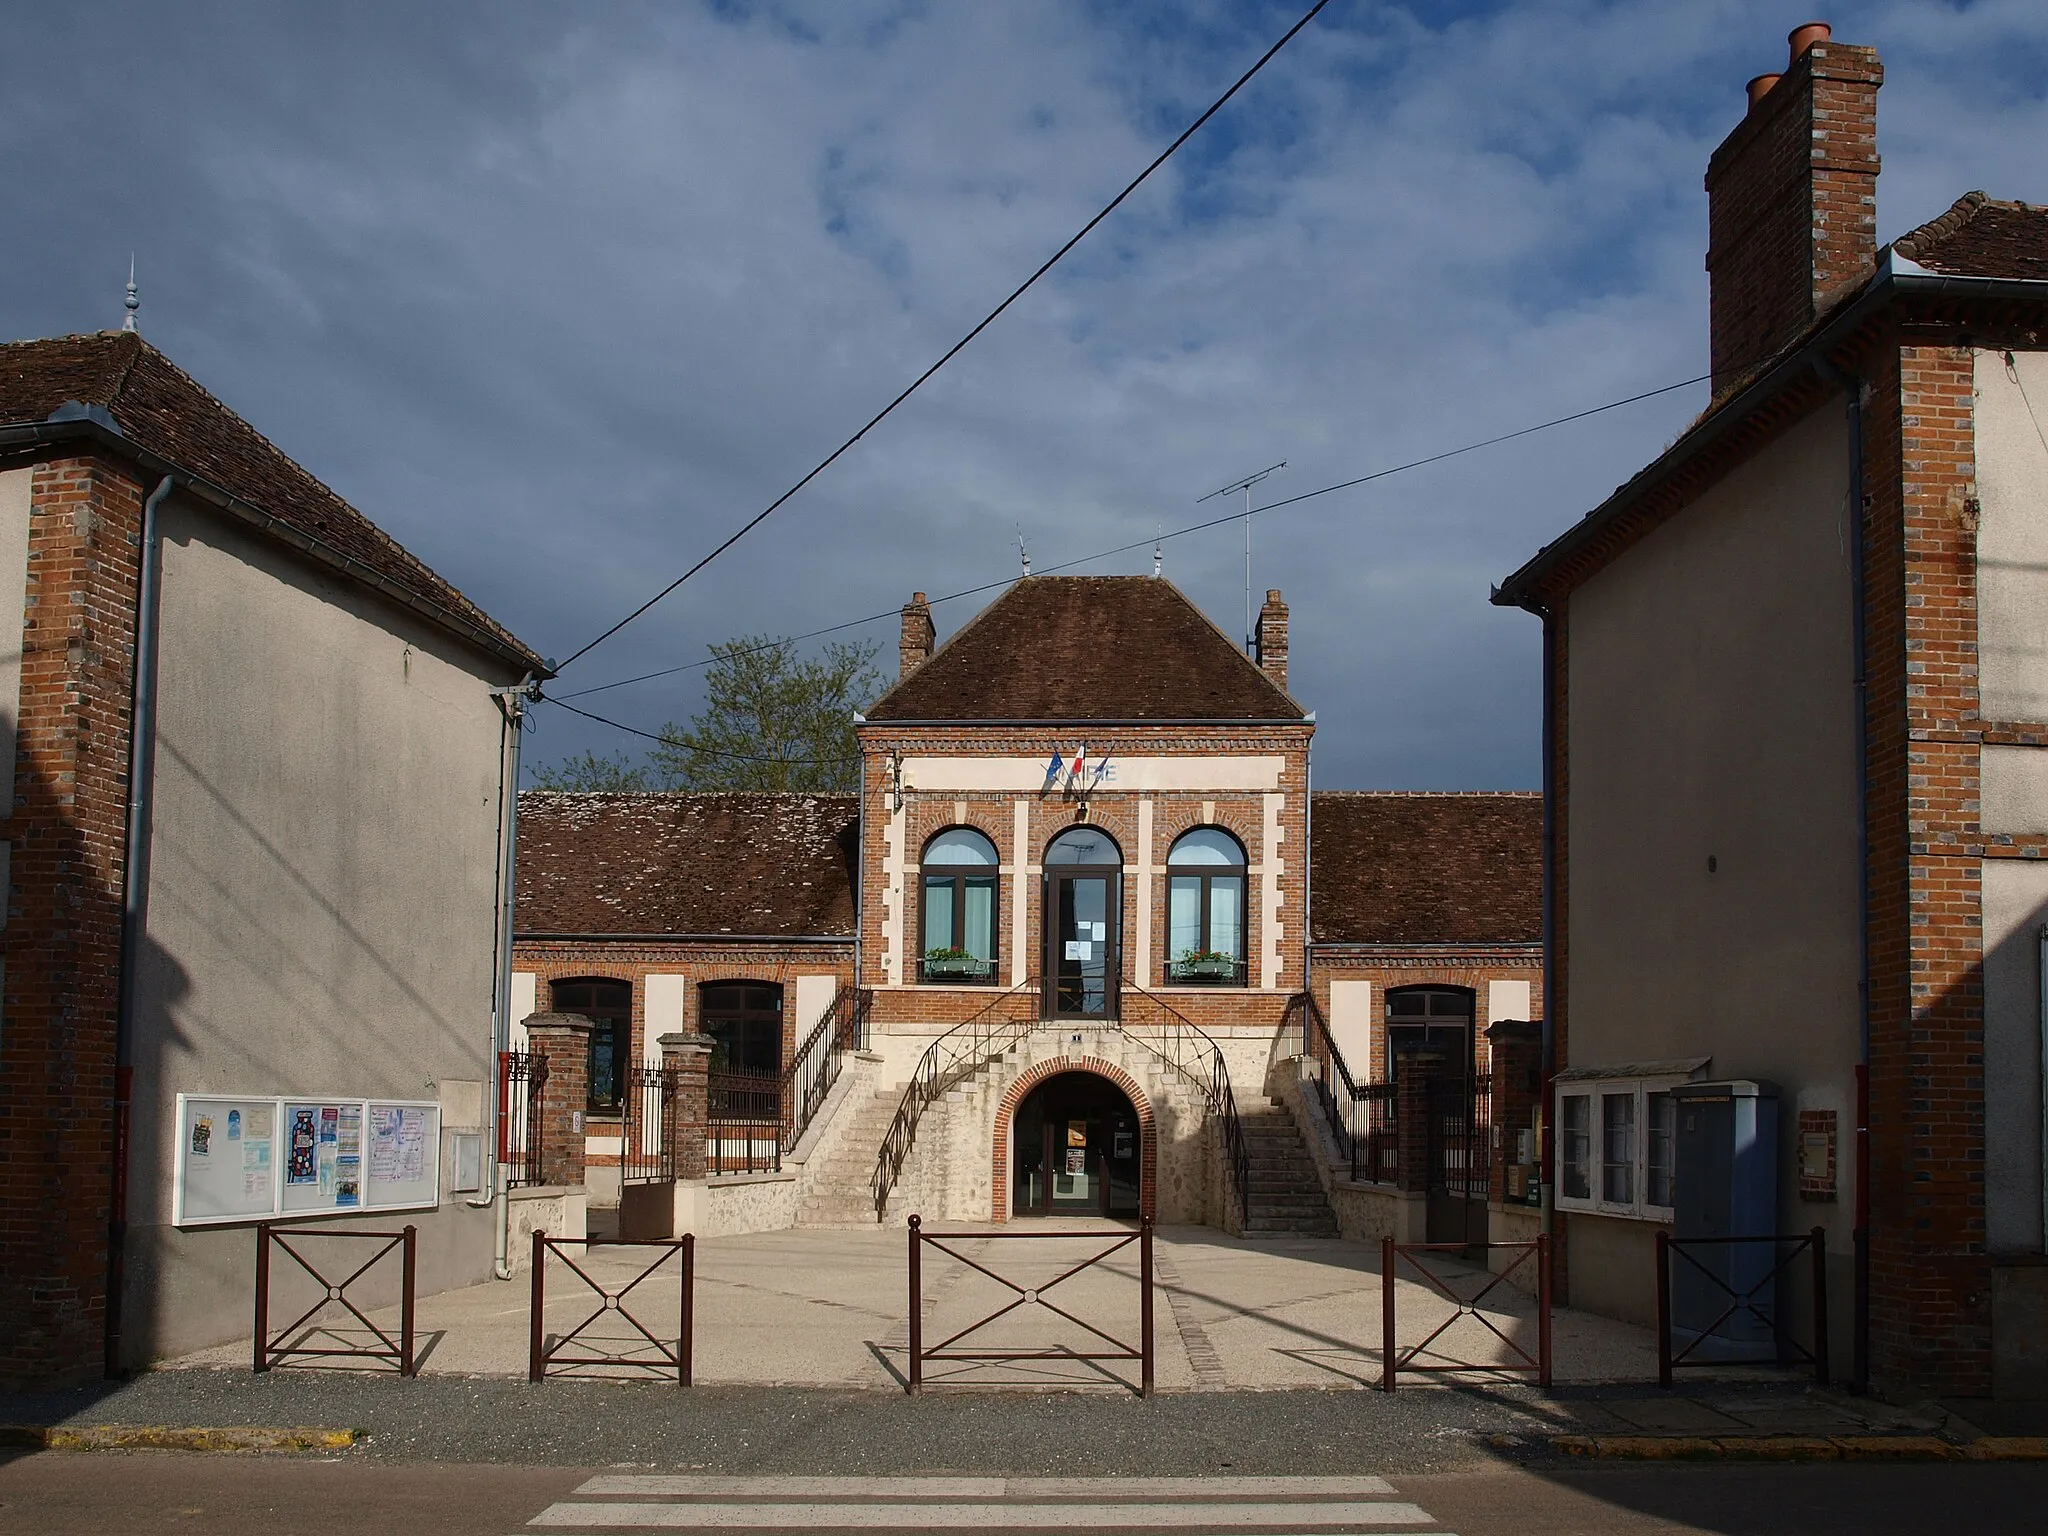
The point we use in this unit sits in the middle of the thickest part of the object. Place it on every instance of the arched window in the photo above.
(1084, 845)
(1205, 909)
(1435, 1019)
(608, 1005)
(959, 908)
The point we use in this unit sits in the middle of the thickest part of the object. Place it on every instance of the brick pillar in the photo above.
(564, 1038)
(1416, 1070)
(1517, 1061)
(689, 1057)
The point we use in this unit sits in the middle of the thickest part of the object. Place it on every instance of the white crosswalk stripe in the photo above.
(1188, 1506)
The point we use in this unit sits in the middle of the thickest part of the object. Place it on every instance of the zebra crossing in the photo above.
(1186, 1506)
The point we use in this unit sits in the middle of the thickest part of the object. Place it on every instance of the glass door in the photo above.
(1082, 966)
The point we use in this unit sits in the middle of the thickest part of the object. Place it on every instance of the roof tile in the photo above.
(1411, 868)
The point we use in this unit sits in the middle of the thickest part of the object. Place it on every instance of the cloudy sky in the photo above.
(559, 295)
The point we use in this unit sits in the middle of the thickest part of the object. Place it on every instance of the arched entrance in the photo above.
(1077, 1149)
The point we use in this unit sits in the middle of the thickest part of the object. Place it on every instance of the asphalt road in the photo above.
(55, 1493)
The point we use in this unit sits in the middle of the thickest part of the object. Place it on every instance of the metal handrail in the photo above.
(958, 1053)
(814, 1070)
(1210, 1073)
(1337, 1098)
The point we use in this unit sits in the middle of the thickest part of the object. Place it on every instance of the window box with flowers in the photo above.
(1205, 965)
(956, 965)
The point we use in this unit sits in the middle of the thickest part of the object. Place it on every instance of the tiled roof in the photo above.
(1390, 868)
(163, 411)
(1088, 648)
(777, 865)
(1982, 237)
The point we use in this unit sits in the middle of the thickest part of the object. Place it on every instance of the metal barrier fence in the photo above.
(656, 1354)
(272, 1349)
(646, 1147)
(1745, 1294)
(1024, 1296)
(1394, 1360)
(521, 1077)
(743, 1122)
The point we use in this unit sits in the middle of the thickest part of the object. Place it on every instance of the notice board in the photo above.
(252, 1159)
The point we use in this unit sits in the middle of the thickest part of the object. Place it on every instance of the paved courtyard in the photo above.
(818, 1307)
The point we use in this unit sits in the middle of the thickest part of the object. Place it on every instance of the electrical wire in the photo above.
(674, 741)
(989, 586)
(951, 352)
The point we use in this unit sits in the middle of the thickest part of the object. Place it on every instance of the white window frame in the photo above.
(1596, 1088)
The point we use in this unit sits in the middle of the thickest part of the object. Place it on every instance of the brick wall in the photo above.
(1386, 968)
(1116, 812)
(1930, 1273)
(67, 829)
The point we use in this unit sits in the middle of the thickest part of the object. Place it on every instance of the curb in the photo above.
(165, 1437)
(1799, 1448)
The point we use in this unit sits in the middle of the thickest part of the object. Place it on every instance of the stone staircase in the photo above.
(839, 1188)
(1286, 1195)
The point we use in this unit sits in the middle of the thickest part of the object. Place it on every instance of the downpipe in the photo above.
(511, 705)
(134, 900)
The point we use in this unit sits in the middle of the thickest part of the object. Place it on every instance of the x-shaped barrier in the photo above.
(1026, 1296)
(1394, 1359)
(272, 1348)
(667, 1355)
(1745, 1302)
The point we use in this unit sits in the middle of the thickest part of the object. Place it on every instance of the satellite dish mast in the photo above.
(1245, 485)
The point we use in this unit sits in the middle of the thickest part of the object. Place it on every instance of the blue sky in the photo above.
(560, 295)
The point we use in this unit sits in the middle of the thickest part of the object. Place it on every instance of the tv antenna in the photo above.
(1245, 485)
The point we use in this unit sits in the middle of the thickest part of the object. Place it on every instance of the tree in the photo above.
(772, 719)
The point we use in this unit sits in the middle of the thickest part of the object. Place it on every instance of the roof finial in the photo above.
(1023, 553)
(132, 303)
(1158, 549)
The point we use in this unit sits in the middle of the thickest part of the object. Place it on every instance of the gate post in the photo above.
(1145, 1306)
(686, 1340)
(688, 1056)
(536, 1327)
(564, 1038)
(262, 1296)
(916, 1311)
(408, 1274)
(1543, 1308)
(1386, 1314)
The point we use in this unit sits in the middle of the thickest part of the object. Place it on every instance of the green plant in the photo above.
(948, 954)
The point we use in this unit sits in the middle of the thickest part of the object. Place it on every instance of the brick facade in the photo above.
(67, 833)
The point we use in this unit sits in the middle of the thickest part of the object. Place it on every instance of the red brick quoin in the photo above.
(1148, 1140)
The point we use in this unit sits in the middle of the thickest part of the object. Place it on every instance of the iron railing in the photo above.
(521, 1077)
(1518, 1360)
(743, 1122)
(1361, 1116)
(582, 1349)
(1098, 1344)
(808, 1080)
(290, 1341)
(1183, 1045)
(1747, 1295)
(646, 1128)
(957, 1054)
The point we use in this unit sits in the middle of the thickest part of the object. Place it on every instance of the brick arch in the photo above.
(1030, 1078)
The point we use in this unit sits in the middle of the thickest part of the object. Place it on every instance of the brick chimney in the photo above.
(919, 634)
(1271, 639)
(1792, 199)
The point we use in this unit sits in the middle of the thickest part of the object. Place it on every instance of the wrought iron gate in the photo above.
(1460, 1162)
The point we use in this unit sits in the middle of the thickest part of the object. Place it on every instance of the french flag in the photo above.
(1077, 767)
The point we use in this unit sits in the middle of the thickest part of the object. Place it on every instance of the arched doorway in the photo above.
(1076, 1150)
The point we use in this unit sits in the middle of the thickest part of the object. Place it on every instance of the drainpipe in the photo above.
(493, 1194)
(1852, 389)
(1546, 1152)
(134, 900)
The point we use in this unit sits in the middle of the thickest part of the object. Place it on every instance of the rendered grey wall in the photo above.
(1710, 715)
(321, 885)
(2012, 535)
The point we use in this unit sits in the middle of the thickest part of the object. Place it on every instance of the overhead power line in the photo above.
(953, 351)
(673, 741)
(1104, 554)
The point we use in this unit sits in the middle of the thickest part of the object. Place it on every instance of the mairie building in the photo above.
(1073, 938)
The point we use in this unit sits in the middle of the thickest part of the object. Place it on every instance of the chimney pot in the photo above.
(1760, 86)
(1804, 37)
